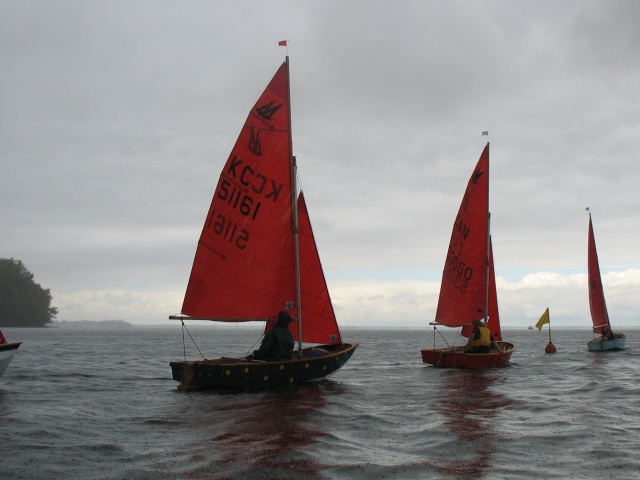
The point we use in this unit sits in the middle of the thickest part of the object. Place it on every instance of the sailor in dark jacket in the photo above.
(278, 343)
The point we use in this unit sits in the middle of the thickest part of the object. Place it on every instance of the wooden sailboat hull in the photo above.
(238, 373)
(600, 345)
(455, 357)
(7, 351)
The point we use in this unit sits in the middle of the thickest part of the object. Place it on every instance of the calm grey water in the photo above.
(80, 404)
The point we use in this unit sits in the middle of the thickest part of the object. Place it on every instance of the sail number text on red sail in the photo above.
(257, 182)
(236, 191)
(227, 229)
(456, 271)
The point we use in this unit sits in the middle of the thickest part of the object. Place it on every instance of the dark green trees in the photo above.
(23, 302)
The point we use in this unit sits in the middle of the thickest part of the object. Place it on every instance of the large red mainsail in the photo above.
(463, 290)
(597, 304)
(244, 267)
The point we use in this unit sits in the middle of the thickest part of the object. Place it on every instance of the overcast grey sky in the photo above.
(116, 118)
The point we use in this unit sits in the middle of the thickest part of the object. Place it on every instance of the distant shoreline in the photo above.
(92, 324)
(250, 326)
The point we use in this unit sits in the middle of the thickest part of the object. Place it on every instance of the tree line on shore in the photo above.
(23, 302)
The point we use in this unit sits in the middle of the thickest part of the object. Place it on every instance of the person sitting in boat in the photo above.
(278, 343)
(607, 334)
(481, 340)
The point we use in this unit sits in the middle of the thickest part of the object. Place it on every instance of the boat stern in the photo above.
(456, 357)
(614, 345)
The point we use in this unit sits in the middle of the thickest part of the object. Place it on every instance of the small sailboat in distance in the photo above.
(257, 256)
(468, 288)
(605, 339)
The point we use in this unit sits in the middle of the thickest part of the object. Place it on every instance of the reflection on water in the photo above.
(266, 433)
(471, 406)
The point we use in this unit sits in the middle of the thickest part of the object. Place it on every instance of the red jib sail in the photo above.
(319, 323)
(244, 267)
(494, 316)
(597, 304)
(463, 290)
(493, 324)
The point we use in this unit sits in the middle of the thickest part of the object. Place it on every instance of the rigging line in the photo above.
(466, 339)
(249, 352)
(441, 336)
(299, 182)
(611, 303)
(184, 327)
(184, 346)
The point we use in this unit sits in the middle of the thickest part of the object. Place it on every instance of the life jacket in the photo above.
(484, 340)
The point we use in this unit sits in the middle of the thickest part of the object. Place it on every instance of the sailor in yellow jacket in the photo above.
(481, 339)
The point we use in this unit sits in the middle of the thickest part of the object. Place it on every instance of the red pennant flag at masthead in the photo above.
(282, 43)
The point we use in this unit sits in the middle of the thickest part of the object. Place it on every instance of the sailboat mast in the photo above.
(488, 253)
(294, 213)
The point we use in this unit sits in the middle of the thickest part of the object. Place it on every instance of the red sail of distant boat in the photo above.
(244, 264)
(463, 291)
(468, 288)
(597, 304)
(494, 315)
(607, 340)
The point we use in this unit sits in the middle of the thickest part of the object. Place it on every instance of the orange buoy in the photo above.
(550, 348)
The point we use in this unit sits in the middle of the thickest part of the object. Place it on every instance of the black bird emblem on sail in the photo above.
(476, 176)
(254, 145)
(267, 111)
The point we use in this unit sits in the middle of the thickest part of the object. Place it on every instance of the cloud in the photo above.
(115, 122)
(376, 303)
(139, 307)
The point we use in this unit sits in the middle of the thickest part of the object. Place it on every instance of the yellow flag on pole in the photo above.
(543, 319)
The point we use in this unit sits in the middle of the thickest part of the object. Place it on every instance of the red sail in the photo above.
(494, 315)
(463, 289)
(597, 304)
(244, 264)
(319, 323)
(493, 324)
